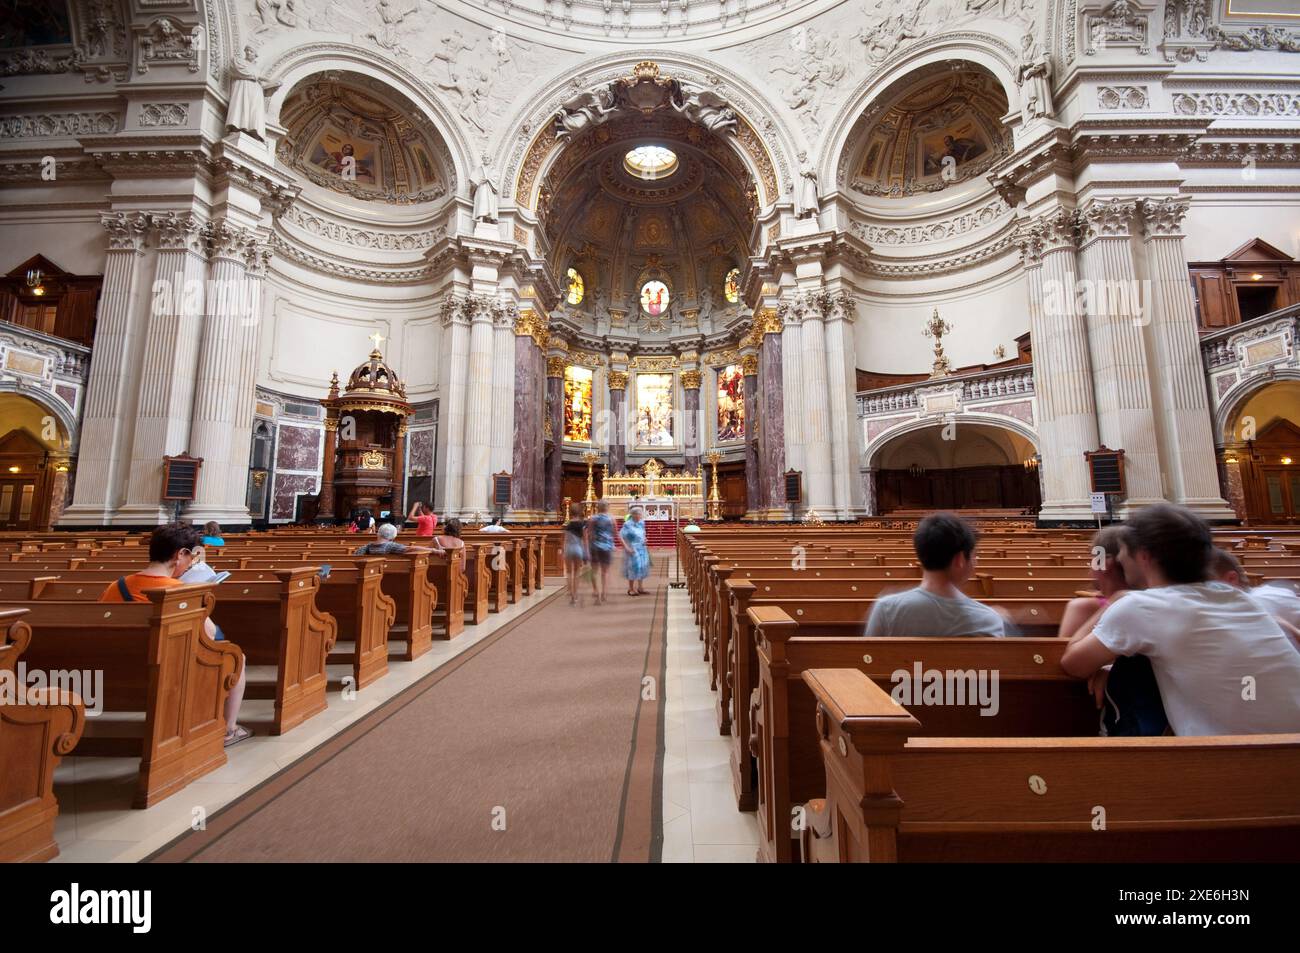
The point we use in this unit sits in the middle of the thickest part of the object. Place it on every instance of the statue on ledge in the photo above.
(248, 92)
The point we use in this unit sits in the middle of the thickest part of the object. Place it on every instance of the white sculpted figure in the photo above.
(583, 112)
(806, 201)
(1035, 79)
(248, 92)
(709, 110)
(485, 193)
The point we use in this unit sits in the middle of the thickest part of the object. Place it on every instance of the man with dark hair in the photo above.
(1223, 666)
(171, 553)
(945, 546)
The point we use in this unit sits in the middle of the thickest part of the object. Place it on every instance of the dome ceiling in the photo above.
(930, 130)
(396, 154)
(687, 228)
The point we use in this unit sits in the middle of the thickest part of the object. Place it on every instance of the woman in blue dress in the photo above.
(636, 561)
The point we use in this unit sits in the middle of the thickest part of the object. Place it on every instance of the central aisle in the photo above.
(543, 742)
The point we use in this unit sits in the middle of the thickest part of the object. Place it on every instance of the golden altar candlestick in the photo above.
(590, 457)
(715, 501)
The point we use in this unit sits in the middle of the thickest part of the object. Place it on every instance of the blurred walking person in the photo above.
(636, 562)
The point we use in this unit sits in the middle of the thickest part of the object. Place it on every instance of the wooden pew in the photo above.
(35, 735)
(1034, 697)
(353, 595)
(891, 796)
(155, 659)
(274, 622)
(448, 575)
(478, 582)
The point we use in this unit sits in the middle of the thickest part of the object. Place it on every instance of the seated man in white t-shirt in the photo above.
(945, 547)
(1223, 666)
(1279, 601)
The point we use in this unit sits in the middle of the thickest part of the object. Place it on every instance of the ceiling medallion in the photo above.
(644, 90)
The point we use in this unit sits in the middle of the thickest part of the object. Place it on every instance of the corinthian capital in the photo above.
(1030, 243)
(691, 380)
(179, 232)
(230, 241)
(126, 231)
(839, 306)
(504, 315)
(453, 310)
(1163, 218)
(1106, 218)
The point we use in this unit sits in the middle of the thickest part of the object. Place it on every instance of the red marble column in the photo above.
(399, 475)
(753, 465)
(771, 414)
(691, 417)
(555, 415)
(526, 486)
(325, 512)
(618, 422)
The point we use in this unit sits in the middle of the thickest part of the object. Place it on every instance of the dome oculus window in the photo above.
(650, 162)
(577, 287)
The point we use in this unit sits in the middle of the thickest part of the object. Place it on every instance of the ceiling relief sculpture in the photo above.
(350, 134)
(931, 130)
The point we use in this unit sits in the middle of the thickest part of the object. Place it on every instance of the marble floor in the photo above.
(701, 822)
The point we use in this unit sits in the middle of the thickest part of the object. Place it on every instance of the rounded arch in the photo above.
(872, 452)
(49, 403)
(300, 63)
(981, 49)
(529, 146)
(1236, 398)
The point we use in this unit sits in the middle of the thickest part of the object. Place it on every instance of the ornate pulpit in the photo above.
(365, 442)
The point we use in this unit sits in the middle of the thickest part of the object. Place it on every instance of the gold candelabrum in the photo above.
(590, 457)
(936, 328)
(715, 500)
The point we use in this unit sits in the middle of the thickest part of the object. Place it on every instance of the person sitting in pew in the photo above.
(172, 551)
(494, 527)
(945, 547)
(212, 534)
(1221, 664)
(387, 545)
(1281, 602)
(451, 538)
(1107, 578)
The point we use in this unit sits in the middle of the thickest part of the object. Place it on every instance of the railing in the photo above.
(1217, 348)
(976, 385)
(65, 360)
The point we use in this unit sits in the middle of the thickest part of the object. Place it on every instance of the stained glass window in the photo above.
(654, 410)
(731, 403)
(654, 298)
(577, 287)
(650, 162)
(577, 404)
(731, 286)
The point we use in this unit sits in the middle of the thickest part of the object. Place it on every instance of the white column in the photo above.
(503, 388)
(1121, 373)
(846, 435)
(816, 422)
(169, 356)
(225, 380)
(451, 403)
(1187, 430)
(478, 407)
(107, 423)
(1066, 415)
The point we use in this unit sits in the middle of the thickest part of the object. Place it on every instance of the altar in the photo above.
(663, 494)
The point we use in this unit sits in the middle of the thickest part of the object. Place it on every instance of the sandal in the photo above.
(235, 737)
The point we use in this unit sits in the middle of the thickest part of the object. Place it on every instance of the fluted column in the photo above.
(503, 388)
(753, 466)
(846, 436)
(478, 407)
(816, 406)
(218, 432)
(108, 419)
(1120, 371)
(1065, 412)
(399, 474)
(526, 499)
(617, 421)
(169, 356)
(1184, 420)
(555, 424)
(771, 414)
(691, 418)
(451, 424)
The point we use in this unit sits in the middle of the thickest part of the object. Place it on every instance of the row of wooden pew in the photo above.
(277, 609)
(837, 771)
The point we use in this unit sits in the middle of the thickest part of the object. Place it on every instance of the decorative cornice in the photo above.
(59, 125)
(372, 238)
(925, 233)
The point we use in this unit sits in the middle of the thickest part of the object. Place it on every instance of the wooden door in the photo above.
(17, 503)
(1281, 494)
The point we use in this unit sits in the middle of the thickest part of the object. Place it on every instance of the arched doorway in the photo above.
(34, 465)
(1265, 445)
(957, 466)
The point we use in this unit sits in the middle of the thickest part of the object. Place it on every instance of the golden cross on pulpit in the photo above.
(377, 338)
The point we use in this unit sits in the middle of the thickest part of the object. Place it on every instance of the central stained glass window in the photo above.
(654, 410)
(577, 404)
(650, 162)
